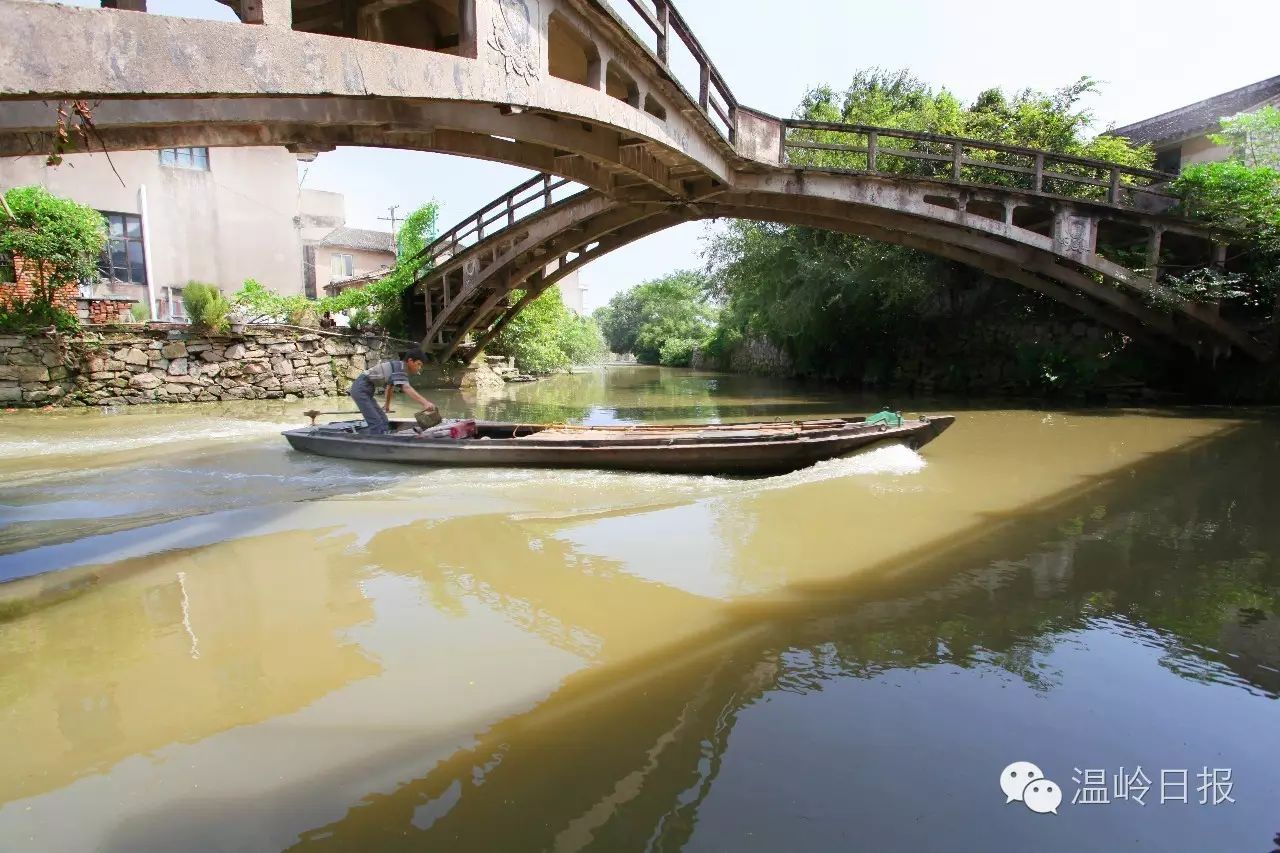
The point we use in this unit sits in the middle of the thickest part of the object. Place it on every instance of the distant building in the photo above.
(352, 257)
(1181, 136)
(218, 215)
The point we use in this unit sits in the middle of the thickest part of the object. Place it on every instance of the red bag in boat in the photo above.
(462, 429)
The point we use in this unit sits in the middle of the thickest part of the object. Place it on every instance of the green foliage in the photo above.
(546, 336)
(1207, 285)
(830, 300)
(1234, 196)
(60, 242)
(661, 321)
(382, 298)
(360, 318)
(206, 306)
(837, 304)
(1051, 121)
(1050, 370)
(1243, 202)
(31, 315)
(1255, 137)
(256, 304)
(140, 312)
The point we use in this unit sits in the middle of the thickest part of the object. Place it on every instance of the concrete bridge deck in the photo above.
(567, 88)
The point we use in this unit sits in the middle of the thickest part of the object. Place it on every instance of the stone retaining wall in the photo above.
(143, 366)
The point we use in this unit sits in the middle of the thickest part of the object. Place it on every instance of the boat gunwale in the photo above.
(908, 427)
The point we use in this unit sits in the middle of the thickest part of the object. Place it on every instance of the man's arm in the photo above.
(386, 407)
(422, 401)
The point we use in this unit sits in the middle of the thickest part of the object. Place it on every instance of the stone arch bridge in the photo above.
(620, 100)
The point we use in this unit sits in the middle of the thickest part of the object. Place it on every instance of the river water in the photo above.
(211, 642)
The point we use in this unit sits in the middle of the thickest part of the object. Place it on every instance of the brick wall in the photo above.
(25, 285)
(104, 311)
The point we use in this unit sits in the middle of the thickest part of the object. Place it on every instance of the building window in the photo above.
(122, 259)
(1169, 160)
(342, 266)
(169, 305)
(185, 158)
(8, 275)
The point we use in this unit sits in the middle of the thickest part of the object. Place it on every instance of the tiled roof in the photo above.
(1202, 116)
(359, 238)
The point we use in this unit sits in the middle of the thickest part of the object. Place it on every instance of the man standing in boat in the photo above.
(392, 374)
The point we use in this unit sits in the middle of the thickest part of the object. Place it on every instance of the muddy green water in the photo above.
(211, 642)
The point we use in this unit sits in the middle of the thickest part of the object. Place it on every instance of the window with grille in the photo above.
(185, 158)
(122, 258)
(8, 274)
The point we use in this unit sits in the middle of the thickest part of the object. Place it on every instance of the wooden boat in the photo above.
(748, 448)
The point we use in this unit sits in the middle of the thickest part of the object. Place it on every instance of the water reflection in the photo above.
(267, 655)
(1170, 561)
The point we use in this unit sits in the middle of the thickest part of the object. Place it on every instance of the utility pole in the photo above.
(392, 218)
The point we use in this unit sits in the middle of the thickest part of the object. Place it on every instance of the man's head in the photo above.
(327, 314)
(413, 360)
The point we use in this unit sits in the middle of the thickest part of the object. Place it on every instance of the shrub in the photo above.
(60, 238)
(360, 319)
(206, 306)
(141, 313)
(31, 315)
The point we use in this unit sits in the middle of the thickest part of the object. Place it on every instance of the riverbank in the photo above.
(148, 364)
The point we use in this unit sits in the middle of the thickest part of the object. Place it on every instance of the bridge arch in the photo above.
(474, 271)
(566, 88)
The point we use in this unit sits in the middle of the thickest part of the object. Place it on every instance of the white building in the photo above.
(217, 215)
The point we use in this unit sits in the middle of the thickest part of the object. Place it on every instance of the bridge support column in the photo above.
(1153, 252)
(126, 5)
(270, 13)
(1074, 235)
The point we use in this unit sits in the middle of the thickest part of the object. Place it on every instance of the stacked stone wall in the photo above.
(160, 366)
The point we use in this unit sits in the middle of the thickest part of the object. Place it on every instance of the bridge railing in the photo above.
(714, 96)
(535, 194)
(878, 150)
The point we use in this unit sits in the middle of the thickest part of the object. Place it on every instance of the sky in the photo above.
(1150, 58)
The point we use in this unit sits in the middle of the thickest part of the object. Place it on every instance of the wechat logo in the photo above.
(1024, 782)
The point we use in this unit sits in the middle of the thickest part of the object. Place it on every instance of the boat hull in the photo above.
(683, 451)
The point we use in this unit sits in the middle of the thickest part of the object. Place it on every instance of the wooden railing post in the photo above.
(957, 153)
(704, 85)
(664, 30)
(1037, 183)
(1153, 252)
(873, 146)
(546, 190)
(1113, 192)
(511, 212)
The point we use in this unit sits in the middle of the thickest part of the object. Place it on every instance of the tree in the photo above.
(59, 242)
(382, 298)
(835, 303)
(1241, 198)
(660, 321)
(1254, 137)
(546, 336)
(1052, 121)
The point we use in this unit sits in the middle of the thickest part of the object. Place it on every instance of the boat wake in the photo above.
(134, 439)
